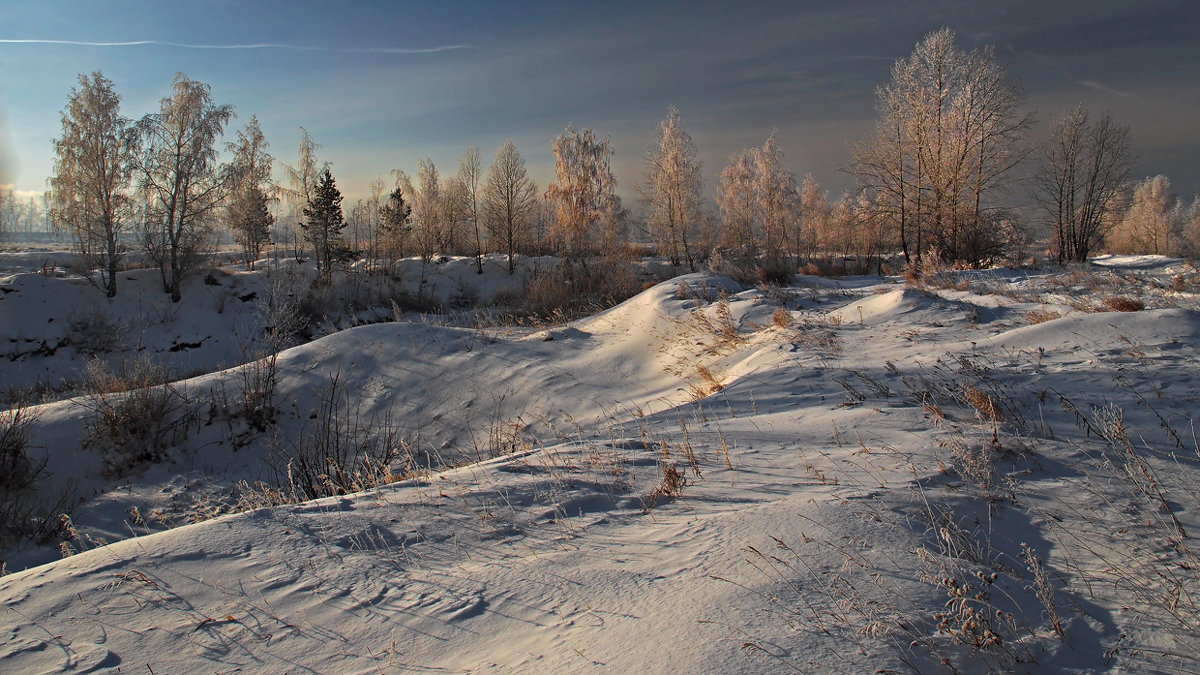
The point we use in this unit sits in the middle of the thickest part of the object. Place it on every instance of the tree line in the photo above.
(941, 177)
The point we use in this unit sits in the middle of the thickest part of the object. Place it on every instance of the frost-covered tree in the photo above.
(1153, 224)
(672, 191)
(583, 193)
(814, 217)
(470, 174)
(179, 172)
(323, 224)
(739, 206)
(778, 204)
(427, 211)
(302, 180)
(760, 208)
(1082, 172)
(509, 202)
(93, 168)
(949, 137)
(251, 192)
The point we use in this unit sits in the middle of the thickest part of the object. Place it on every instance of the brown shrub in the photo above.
(1124, 304)
(1035, 316)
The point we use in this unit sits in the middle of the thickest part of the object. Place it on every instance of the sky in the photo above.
(380, 85)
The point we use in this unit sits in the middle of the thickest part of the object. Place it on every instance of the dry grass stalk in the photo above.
(985, 404)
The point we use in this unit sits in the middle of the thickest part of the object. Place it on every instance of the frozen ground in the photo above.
(991, 471)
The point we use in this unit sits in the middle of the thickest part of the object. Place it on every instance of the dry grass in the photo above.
(1036, 316)
(985, 405)
(709, 382)
(782, 318)
(1123, 304)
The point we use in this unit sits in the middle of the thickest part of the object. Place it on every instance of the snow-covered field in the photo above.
(990, 471)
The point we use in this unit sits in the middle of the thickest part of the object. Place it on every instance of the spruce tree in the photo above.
(324, 223)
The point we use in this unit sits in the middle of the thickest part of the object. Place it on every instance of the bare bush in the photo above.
(95, 333)
(570, 290)
(339, 453)
(136, 418)
(25, 514)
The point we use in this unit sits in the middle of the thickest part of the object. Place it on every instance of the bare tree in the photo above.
(672, 191)
(949, 138)
(427, 210)
(251, 193)
(456, 205)
(470, 174)
(179, 172)
(1083, 170)
(372, 222)
(509, 201)
(92, 174)
(583, 193)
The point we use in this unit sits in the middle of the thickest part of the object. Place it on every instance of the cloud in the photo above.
(1099, 86)
(262, 45)
(7, 189)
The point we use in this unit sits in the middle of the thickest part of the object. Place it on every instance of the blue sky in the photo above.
(382, 84)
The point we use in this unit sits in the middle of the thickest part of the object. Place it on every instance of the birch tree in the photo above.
(509, 202)
(1153, 224)
(470, 174)
(427, 211)
(814, 218)
(583, 193)
(1084, 168)
(302, 181)
(778, 205)
(739, 207)
(455, 201)
(179, 171)
(949, 137)
(94, 160)
(248, 211)
(672, 191)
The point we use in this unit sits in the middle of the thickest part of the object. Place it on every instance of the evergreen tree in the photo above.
(250, 219)
(323, 225)
(394, 225)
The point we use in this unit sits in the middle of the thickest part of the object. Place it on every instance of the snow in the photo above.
(829, 485)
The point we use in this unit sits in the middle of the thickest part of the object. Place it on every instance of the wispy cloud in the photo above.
(1100, 86)
(260, 45)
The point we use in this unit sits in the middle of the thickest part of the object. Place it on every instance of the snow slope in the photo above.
(857, 452)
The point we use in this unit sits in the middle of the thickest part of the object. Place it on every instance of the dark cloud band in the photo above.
(263, 45)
